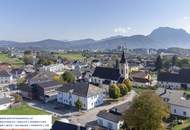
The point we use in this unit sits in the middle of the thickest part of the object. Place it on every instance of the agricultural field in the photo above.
(15, 62)
(71, 56)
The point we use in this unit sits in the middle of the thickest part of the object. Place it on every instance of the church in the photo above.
(107, 76)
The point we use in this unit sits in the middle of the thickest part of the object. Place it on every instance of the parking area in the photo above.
(56, 109)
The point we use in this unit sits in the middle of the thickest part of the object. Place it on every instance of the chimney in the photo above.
(78, 126)
(115, 109)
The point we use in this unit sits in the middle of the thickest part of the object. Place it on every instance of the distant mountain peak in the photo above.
(170, 36)
(168, 29)
(161, 37)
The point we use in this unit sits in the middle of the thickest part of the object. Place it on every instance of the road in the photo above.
(90, 115)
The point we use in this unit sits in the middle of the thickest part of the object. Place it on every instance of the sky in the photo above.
(33, 20)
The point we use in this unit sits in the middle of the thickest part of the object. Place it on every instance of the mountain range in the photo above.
(162, 37)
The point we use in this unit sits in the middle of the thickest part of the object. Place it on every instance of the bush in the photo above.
(128, 83)
(78, 104)
(114, 91)
(123, 89)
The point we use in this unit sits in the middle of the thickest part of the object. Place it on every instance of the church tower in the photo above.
(123, 67)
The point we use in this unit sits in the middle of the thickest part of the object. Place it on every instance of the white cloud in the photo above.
(188, 28)
(185, 18)
(123, 30)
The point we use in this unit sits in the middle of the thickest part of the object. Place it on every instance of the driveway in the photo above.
(89, 116)
(52, 107)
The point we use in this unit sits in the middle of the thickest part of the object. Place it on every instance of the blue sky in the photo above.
(31, 20)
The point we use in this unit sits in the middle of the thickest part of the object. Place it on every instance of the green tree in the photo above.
(78, 104)
(147, 112)
(159, 63)
(128, 83)
(28, 59)
(68, 77)
(123, 89)
(114, 91)
(174, 60)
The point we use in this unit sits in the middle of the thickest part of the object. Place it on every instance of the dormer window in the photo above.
(166, 99)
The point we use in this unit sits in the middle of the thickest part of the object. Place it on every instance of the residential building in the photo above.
(90, 95)
(40, 77)
(46, 91)
(56, 68)
(5, 67)
(174, 80)
(96, 62)
(29, 69)
(141, 79)
(5, 77)
(58, 125)
(112, 119)
(18, 73)
(178, 101)
(27, 92)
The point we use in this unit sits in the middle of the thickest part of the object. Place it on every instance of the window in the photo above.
(166, 99)
(184, 113)
(100, 122)
(174, 110)
(110, 125)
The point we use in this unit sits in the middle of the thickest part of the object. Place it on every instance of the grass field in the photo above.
(4, 58)
(182, 126)
(71, 56)
(24, 109)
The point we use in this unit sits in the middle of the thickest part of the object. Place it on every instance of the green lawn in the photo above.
(24, 109)
(4, 58)
(182, 126)
(71, 56)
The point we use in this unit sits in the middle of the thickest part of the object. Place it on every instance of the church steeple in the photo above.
(123, 67)
(123, 58)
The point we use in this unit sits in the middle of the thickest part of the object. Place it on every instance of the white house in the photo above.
(18, 73)
(56, 68)
(90, 95)
(112, 119)
(174, 80)
(178, 101)
(105, 75)
(4, 103)
(96, 62)
(5, 77)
